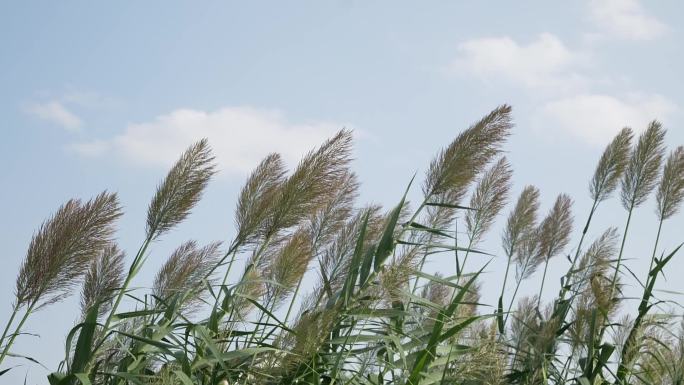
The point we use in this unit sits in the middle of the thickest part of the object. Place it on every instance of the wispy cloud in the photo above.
(65, 109)
(625, 19)
(572, 95)
(595, 118)
(241, 136)
(545, 62)
(56, 113)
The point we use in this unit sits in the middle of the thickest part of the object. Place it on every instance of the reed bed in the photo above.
(373, 314)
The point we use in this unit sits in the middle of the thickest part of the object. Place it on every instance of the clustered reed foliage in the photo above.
(315, 289)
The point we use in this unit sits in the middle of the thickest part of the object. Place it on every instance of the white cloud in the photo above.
(56, 113)
(240, 137)
(625, 19)
(595, 118)
(543, 62)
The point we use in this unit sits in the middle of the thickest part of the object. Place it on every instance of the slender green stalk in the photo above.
(571, 271)
(613, 281)
(131, 273)
(292, 301)
(508, 268)
(225, 277)
(14, 335)
(541, 287)
(122, 291)
(465, 257)
(269, 305)
(420, 266)
(655, 248)
(15, 310)
(515, 292)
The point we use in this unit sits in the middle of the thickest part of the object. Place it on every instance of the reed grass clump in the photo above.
(328, 291)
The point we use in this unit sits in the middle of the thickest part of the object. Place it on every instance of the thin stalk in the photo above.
(131, 273)
(643, 310)
(292, 301)
(503, 289)
(225, 277)
(510, 305)
(14, 335)
(15, 310)
(515, 292)
(508, 268)
(655, 248)
(541, 288)
(373, 273)
(566, 366)
(420, 266)
(465, 258)
(339, 356)
(613, 281)
(565, 287)
(270, 306)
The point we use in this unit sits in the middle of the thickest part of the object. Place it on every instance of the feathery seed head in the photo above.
(611, 166)
(64, 247)
(522, 219)
(526, 254)
(256, 198)
(332, 216)
(313, 183)
(437, 292)
(490, 196)
(598, 256)
(458, 164)
(104, 277)
(671, 190)
(337, 255)
(555, 229)
(251, 286)
(185, 271)
(181, 189)
(288, 265)
(644, 165)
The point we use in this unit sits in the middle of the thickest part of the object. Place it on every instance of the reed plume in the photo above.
(311, 185)
(287, 267)
(519, 239)
(555, 229)
(186, 271)
(611, 166)
(593, 289)
(526, 257)
(671, 190)
(642, 170)
(250, 289)
(59, 255)
(331, 217)
(640, 178)
(257, 198)
(490, 196)
(554, 234)
(337, 255)
(181, 189)
(458, 164)
(437, 292)
(597, 258)
(521, 220)
(102, 280)
(63, 249)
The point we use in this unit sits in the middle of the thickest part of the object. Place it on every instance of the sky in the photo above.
(105, 96)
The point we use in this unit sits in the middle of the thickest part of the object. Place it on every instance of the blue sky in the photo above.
(101, 97)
